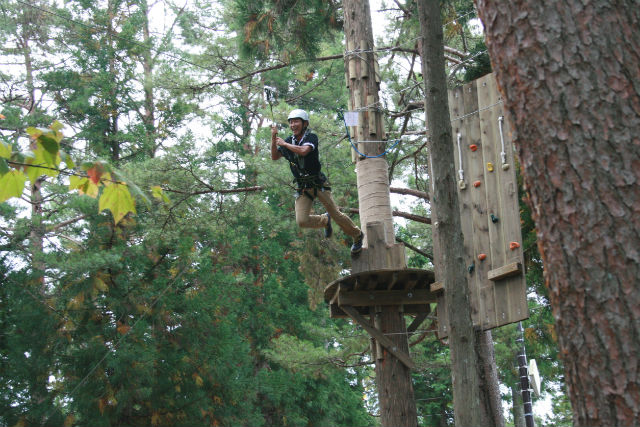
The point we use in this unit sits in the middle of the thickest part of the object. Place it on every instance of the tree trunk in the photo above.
(490, 386)
(362, 76)
(393, 378)
(470, 406)
(111, 135)
(38, 393)
(518, 410)
(148, 117)
(569, 72)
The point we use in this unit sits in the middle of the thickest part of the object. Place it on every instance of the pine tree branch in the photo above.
(410, 192)
(318, 59)
(415, 249)
(400, 214)
(58, 226)
(218, 191)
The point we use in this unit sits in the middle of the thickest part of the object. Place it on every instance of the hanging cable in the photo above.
(396, 142)
(461, 183)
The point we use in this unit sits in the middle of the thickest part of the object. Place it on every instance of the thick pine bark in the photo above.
(570, 75)
(470, 404)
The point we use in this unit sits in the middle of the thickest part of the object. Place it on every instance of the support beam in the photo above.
(418, 321)
(382, 339)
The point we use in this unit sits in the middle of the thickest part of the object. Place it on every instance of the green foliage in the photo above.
(432, 383)
(292, 29)
(479, 65)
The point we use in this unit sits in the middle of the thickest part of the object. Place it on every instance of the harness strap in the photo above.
(311, 182)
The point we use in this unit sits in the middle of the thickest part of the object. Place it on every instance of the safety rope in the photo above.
(503, 154)
(396, 142)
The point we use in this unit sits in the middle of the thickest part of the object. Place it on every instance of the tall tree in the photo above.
(472, 402)
(569, 75)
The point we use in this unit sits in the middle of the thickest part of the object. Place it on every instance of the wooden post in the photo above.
(393, 376)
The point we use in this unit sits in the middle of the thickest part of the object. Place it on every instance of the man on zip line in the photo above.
(301, 150)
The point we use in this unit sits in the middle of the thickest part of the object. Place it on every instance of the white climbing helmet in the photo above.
(298, 114)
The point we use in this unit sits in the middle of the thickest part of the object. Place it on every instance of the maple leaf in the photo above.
(83, 185)
(159, 194)
(11, 184)
(5, 150)
(42, 163)
(118, 200)
(95, 172)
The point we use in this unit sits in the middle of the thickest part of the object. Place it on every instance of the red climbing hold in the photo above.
(477, 184)
(482, 257)
(473, 147)
(514, 245)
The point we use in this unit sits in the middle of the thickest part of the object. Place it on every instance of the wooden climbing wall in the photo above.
(490, 214)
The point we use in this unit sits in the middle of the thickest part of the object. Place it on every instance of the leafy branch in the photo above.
(96, 179)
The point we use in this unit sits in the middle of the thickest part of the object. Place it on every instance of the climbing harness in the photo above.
(341, 115)
(302, 179)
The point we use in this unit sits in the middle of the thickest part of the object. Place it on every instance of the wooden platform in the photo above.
(409, 287)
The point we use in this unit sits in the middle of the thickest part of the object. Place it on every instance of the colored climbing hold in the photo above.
(482, 257)
(514, 245)
(505, 166)
(477, 184)
(471, 267)
(461, 184)
(494, 218)
(490, 167)
(473, 147)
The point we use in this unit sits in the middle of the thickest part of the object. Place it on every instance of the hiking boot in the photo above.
(328, 230)
(356, 248)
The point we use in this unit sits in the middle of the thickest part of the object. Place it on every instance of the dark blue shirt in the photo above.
(301, 166)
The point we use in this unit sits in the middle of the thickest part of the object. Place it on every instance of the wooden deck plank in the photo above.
(368, 298)
(512, 269)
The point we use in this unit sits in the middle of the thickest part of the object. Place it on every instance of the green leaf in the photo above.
(77, 182)
(159, 194)
(56, 126)
(26, 155)
(34, 132)
(119, 176)
(11, 184)
(43, 163)
(49, 144)
(5, 150)
(83, 185)
(67, 159)
(118, 200)
(4, 167)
